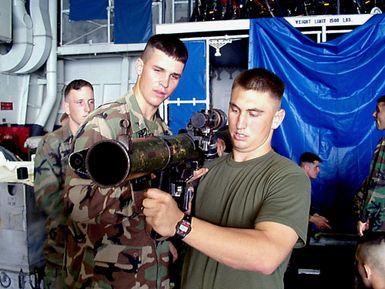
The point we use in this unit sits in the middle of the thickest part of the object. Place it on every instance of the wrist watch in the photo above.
(183, 227)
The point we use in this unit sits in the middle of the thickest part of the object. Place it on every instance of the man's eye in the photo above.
(175, 77)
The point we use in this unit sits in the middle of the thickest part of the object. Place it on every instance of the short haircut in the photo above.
(381, 99)
(169, 44)
(371, 250)
(262, 80)
(76, 84)
(308, 157)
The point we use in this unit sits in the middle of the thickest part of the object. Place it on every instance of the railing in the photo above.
(185, 11)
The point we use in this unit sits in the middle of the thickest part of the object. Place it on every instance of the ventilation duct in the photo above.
(51, 70)
(41, 35)
(22, 44)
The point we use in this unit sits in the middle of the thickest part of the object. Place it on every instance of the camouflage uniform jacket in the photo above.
(49, 171)
(108, 244)
(369, 202)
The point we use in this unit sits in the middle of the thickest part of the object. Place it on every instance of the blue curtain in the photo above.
(88, 9)
(133, 21)
(331, 92)
(191, 85)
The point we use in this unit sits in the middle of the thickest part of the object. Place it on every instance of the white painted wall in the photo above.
(111, 77)
(13, 94)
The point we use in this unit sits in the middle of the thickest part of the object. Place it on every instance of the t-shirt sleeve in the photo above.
(288, 201)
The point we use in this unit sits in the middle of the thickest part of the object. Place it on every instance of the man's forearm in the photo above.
(260, 250)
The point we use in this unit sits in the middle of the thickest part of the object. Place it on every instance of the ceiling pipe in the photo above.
(51, 71)
(22, 44)
(41, 35)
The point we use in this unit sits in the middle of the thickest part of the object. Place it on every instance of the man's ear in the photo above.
(139, 66)
(278, 118)
(66, 107)
(306, 167)
(368, 271)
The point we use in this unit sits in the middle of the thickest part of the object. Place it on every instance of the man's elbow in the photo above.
(265, 268)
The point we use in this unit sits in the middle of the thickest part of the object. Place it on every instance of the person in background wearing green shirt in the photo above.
(310, 163)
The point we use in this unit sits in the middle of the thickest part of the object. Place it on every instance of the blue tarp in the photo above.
(132, 21)
(331, 93)
(191, 85)
(88, 9)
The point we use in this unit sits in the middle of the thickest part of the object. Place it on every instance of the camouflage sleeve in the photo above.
(48, 176)
(374, 198)
(86, 202)
(358, 201)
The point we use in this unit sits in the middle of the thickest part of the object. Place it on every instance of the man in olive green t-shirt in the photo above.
(252, 206)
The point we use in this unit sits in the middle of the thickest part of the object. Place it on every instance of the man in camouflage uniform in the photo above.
(109, 245)
(50, 163)
(369, 202)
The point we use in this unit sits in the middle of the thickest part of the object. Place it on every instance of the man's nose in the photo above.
(165, 81)
(241, 123)
(87, 107)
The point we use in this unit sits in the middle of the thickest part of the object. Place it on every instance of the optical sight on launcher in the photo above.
(111, 163)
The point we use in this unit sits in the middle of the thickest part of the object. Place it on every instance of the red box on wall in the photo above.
(6, 105)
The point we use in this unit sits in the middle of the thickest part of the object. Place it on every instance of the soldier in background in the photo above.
(50, 163)
(310, 163)
(369, 201)
(108, 245)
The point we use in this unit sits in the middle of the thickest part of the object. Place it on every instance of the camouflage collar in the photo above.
(140, 126)
(67, 133)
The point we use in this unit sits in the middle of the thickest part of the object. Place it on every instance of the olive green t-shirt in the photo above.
(241, 194)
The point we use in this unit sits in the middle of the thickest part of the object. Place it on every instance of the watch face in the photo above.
(183, 227)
